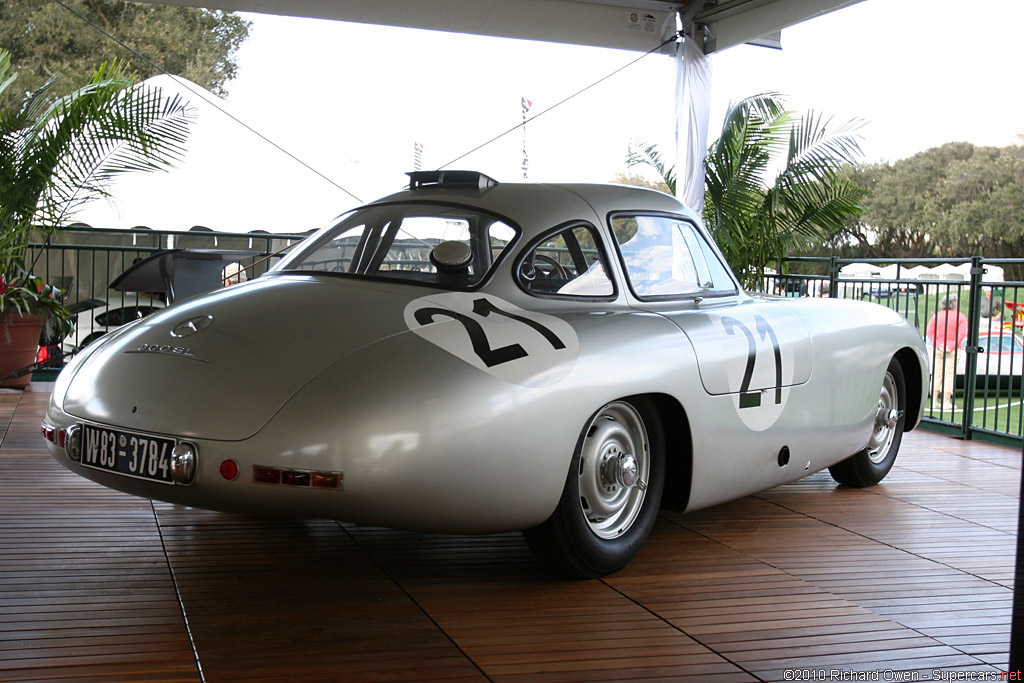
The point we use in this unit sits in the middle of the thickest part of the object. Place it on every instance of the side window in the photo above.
(451, 247)
(569, 263)
(666, 256)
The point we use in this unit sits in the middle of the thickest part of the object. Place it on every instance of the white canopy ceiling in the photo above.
(639, 25)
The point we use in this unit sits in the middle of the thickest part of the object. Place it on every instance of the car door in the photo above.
(751, 352)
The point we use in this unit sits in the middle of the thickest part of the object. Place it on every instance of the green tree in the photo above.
(59, 152)
(775, 183)
(902, 207)
(642, 153)
(640, 181)
(45, 40)
(955, 200)
(980, 208)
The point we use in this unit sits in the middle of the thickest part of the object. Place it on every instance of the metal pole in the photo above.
(1017, 619)
(972, 349)
(833, 276)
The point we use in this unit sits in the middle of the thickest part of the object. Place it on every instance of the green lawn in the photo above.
(996, 409)
(999, 411)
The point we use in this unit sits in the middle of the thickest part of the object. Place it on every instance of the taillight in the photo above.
(298, 478)
(49, 433)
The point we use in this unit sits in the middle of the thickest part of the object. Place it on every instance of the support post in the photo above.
(1017, 615)
(972, 348)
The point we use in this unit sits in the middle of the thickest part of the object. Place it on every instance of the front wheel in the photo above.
(870, 466)
(611, 495)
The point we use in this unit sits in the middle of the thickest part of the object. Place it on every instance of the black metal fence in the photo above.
(83, 262)
(975, 387)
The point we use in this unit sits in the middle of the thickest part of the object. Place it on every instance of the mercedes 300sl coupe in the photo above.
(475, 357)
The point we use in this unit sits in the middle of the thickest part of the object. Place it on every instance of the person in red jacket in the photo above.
(946, 332)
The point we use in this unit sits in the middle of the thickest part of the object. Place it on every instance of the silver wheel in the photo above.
(869, 466)
(615, 466)
(887, 416)
(612, 492)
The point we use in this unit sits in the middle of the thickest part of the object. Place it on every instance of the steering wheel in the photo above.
(548, 267)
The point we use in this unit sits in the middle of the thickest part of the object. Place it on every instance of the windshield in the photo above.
(446, 246)
(1004, 343)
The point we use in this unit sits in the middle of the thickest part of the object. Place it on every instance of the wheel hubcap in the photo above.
(887, 416)
(614, 467)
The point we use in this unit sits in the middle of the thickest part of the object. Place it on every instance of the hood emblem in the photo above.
(191, 326)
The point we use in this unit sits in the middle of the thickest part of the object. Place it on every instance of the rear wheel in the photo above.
(874, 462)
(611, 494)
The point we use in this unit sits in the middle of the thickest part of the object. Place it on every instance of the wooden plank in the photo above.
(910, 575)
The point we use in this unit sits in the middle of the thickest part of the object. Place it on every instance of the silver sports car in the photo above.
(473, 357)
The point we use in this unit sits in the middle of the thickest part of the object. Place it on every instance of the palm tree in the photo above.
(57, 153)
(641, 153)
(758, 218)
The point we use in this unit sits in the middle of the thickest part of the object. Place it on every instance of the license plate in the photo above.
(127, 453)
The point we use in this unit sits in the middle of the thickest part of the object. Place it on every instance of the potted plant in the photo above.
(55, 154)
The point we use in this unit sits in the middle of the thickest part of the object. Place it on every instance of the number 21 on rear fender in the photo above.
(515, 345)
(754, 352)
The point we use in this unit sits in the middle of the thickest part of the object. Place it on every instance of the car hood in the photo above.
(220, 366)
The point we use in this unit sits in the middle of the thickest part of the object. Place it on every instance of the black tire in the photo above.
(602, 519)
(870, 466)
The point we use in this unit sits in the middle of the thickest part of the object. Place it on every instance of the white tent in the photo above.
(943, 271)
(225, 183)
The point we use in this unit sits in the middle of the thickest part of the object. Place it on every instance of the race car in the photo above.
(472, 357)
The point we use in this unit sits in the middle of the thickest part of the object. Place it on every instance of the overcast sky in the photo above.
(351, 101)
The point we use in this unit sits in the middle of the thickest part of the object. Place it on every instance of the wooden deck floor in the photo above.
(912, 575)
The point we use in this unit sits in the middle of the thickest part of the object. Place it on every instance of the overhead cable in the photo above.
(536, 116)
(202, 95)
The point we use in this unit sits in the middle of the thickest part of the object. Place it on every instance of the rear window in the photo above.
(444, 246)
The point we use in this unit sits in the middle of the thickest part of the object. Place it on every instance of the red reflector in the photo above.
(326, 480)
(62, 439)
(266, 475)
(49, 433)
(228, 469)
(289, 478)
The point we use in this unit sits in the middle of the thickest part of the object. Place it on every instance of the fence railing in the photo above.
(976, 388)
(83, 263)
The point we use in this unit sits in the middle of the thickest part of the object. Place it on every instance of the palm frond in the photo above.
(774, 182)
(107, 128)
(641, 153)
(758, 219)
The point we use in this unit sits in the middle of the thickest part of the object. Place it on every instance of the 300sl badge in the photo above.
(168, 350)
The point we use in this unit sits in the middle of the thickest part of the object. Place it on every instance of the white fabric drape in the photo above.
(693, 105)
